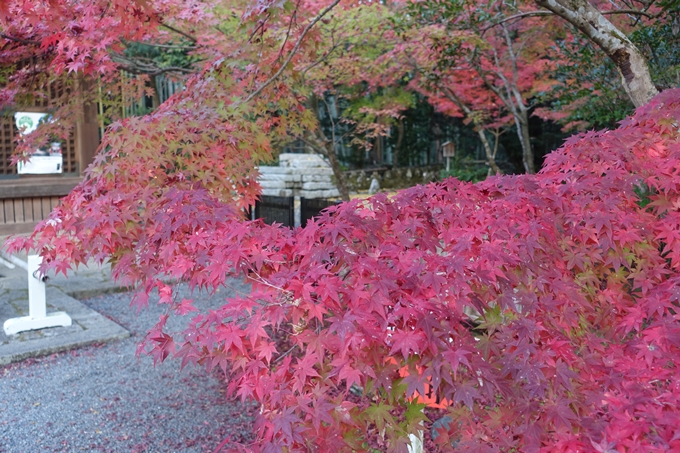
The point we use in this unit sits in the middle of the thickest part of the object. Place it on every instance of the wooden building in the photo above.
(27, 199)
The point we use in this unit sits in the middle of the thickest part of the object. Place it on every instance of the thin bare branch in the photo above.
(538, 13)
(321, 59)
(145, 66)
(632, 12)
(290, 27)
(319, 149)
(517, 16)
(178, 31)
(293, 51)
(169, 46)
(260, 26)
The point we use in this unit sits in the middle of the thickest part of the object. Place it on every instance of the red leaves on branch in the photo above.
(542, 308)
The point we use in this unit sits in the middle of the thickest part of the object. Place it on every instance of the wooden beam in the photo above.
(37, 187)
(87, 130)
(17, 228)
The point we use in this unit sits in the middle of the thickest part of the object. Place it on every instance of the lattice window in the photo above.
(8, 131)
(68, 149)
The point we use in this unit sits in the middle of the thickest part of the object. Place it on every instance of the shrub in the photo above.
(542, 307)
(465, 170)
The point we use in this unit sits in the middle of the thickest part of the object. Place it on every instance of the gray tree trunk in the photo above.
(340, 180)
(325, 146)
(632, 66)
(400, 141)
(522, 123)
(490, 159)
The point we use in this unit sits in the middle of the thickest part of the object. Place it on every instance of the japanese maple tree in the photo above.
(541, 310)
(453, 89)
(488, 60)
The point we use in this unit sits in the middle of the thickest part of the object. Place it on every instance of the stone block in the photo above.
(275, 170)
(317, 185)
(277, 192)
(320, 171)
(287, 177)
(319, 193)
(273, 184)
(301, 160)
(317, 178)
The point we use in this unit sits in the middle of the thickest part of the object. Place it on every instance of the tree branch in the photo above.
(517, 16)
(292, 52)
(170, 69)
(320, 60)
(315, 146)
(186, 35)
(633, 12)
(169, 46)
(22, 41)
(290, 27)
(260, 25)
(550, 13)
(631, 64)
(145, 66)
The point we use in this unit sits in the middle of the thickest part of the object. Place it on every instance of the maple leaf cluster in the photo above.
(538, 310)
(541, 310)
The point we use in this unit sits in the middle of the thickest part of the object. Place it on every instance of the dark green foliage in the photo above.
(161, 57)
(661, 47)
(465, 170)
(589, 85)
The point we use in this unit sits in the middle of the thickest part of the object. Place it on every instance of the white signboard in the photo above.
(27, 122)
(42, 162)
(41, 165)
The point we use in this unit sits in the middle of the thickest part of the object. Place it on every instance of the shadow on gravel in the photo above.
(105, 399)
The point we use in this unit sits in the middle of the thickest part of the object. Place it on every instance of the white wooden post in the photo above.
(37, 318)
(416, 443)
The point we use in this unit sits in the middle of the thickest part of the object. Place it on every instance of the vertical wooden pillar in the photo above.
(87, 127)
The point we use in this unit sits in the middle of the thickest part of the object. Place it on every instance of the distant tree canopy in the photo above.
(515, 61)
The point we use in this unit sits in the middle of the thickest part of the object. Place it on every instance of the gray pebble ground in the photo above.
(105, 399)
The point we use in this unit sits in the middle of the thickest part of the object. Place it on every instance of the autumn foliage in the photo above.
(542, 307)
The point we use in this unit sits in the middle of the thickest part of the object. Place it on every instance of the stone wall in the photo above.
(298, 175)
(310, 176)
(395, 178)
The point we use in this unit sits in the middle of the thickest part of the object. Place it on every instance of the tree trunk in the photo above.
(522, 123)
(511, 96)
(490, 159)
(340, 180)
(632, 66)
(326, 147)
(376, 151)
(397, 146)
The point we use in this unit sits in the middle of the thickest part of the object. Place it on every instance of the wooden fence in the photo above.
(276, 209)
(25, 202)
(312, 207)
(282, 209)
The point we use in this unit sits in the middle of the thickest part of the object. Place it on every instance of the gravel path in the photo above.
(103, 399)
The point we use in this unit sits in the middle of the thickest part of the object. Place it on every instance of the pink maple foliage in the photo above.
(542, 307)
